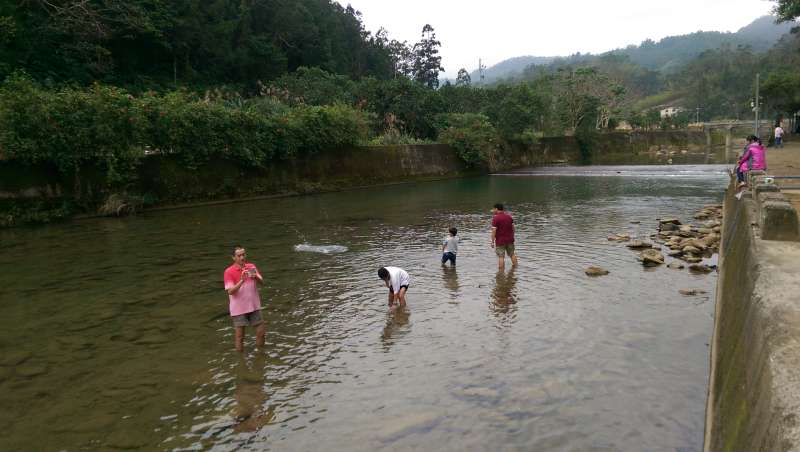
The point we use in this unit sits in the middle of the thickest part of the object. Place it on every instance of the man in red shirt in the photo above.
(244, 302)
(503, 236)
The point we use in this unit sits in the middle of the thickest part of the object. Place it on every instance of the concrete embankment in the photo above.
(754, 390)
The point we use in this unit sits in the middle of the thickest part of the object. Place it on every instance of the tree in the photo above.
(463, 78)
(402, 58)
(787, 10)
(427, 62)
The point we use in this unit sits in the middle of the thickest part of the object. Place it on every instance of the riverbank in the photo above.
(754, 388)
(41, 193)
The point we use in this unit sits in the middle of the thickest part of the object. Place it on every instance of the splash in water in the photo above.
(324, 249)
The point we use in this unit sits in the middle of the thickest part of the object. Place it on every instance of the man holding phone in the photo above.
(245, 303)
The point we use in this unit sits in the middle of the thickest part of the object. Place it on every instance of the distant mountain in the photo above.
(666, 55)
(509, 68)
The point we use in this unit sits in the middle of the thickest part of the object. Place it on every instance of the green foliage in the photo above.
(427, 62)
(112, 129)
(782, 91)
(787, 10)
(155, 43)
(515, 110)
(69, 127)
(472, 136)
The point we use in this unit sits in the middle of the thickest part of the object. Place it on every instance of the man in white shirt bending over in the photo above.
(397, 280)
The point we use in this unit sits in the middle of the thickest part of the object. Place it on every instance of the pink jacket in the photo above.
(756, 154)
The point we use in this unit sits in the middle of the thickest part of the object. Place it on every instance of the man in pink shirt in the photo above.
(245, 304)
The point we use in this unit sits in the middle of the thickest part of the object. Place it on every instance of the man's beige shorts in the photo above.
(501, 250)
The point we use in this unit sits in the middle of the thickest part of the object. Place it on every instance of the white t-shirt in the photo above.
(451, 244)
(778, 132)
(398, 277)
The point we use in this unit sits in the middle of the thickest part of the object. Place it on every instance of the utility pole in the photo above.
(757, 106)
(697, 115)
(481, 74)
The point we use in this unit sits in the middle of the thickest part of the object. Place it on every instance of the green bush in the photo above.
(112, 129)
(474, 138)
(70, 127)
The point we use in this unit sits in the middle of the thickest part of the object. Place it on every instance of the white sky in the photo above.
(499, 29)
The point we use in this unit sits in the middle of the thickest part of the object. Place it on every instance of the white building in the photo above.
(670, 112)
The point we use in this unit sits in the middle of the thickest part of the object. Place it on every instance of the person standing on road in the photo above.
(240, 280)
(503, 236)
(778, 136)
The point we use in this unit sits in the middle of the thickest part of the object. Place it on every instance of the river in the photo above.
(114, 332)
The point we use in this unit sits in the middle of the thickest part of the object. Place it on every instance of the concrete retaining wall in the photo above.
(754, 388)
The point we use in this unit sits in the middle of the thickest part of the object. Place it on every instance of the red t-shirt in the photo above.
(505, 228)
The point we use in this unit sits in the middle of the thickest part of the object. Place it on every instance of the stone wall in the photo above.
(754, 388)
(163, 180)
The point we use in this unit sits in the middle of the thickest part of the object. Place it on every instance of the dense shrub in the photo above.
(113, 129)
(472, 136)
(69, 127)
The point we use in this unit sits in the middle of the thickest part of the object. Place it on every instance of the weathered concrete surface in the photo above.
(754, 390)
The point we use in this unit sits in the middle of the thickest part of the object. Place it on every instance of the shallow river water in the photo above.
(114, 332)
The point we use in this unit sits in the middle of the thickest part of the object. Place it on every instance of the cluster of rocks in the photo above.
(685, 243)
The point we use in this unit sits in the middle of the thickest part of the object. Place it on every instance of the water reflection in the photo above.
(450, 278)
(504, 294)
(251, 411)
(397, 326)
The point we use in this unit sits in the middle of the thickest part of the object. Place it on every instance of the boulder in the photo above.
(639, 244)
(651, 257)
(675, 265)
(691, 292)
(665, 221)
(691, 249)
(692, 259)
(700, 268)
(595, 271)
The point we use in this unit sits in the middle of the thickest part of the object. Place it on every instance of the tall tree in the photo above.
(463, 78)
(427, 62)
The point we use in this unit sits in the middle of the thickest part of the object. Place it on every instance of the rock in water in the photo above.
(651, 257)
(691, 292)
(700, 268)
(639, 244)
(675, 265)
(595, 271)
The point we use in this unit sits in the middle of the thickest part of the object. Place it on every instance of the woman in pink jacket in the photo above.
(754, 158)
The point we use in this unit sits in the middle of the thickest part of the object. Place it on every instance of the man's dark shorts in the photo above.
(448, 256)
(249, 319)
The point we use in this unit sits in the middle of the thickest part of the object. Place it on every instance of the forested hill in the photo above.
(668, 54)
(185, 42)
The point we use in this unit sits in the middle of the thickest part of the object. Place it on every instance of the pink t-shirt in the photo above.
(246, 299)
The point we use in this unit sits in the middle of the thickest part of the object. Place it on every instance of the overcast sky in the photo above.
(499, 29)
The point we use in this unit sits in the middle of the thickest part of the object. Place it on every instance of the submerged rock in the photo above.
(691, 292)
(651, 257)
(639, 244)
(675, 265)
(700, 268)
(595, 271)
